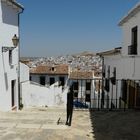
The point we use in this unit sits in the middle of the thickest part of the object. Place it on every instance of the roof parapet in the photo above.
(110, 52)
(130, 14)
(15, 3)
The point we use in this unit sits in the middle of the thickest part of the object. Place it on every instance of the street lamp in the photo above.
(15, 40)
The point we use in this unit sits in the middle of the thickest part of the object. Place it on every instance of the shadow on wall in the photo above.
(5, 73)
(6, 80)
(8, 15)
(117, 125)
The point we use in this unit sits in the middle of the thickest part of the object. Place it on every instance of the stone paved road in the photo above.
(41, 124)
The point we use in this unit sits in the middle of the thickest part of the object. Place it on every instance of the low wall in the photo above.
(34, 94)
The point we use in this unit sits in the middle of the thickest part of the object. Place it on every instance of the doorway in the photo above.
(13, 83)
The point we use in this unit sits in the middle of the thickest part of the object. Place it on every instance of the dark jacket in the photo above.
(70, 99)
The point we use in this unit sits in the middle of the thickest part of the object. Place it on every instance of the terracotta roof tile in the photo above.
(57, 69)
(81, 75)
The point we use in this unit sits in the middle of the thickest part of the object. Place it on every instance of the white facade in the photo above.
(86, 90)
(9, 26)
(131, 62)
(24, 73)
(34, 95)
(128, 65)
(126, 62)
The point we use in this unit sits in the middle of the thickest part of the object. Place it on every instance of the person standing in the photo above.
(69, 106)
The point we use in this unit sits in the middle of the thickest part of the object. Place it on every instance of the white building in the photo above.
(47, 85)
(86, 87)
(123, 64)
(35, 95)
(48, 75)
(9, 54)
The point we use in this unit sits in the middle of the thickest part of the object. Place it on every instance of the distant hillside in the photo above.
(85, 53)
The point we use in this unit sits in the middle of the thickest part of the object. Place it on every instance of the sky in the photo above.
(61, 27)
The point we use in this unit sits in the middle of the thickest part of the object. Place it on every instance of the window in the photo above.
(88, 85)
(124, 90)
(107, 80)
(108, 71)
(30, 78)
(87, 97)
(52, 80)
(75, 85)
(132, 49)
(75, 94)
(107, 85)
(62, 81)
(114, 72)
(10, 57)
(113, 79)
(42, 80)
(104, 71)
(52, 68)
(134, 35)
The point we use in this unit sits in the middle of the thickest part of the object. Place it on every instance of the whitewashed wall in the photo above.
(8, 27)
(126, 68)
(34, 94)
(24, 72)
(126, 30)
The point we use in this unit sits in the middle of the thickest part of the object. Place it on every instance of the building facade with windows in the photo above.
(121, 66)
(48, 75)
(86, 88)
(47, 85)
(10, 12)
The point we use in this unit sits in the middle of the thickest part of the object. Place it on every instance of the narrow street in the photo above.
(41, 124)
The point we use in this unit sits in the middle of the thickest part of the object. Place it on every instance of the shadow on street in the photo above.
(118, 125)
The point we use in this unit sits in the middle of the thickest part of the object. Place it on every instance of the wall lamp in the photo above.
(15, 41)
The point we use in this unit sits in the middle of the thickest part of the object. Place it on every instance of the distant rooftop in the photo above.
(81, 75)
(53, 70)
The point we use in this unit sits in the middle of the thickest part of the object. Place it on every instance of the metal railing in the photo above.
(121, 94)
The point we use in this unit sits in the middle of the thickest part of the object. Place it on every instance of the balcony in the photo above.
(132, 49)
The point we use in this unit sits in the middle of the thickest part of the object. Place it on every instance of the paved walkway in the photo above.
(41, 124)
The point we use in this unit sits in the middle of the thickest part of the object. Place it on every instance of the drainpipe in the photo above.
(19, 92)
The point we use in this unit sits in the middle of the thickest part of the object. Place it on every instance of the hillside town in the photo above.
(74, 96)
(85, 61)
